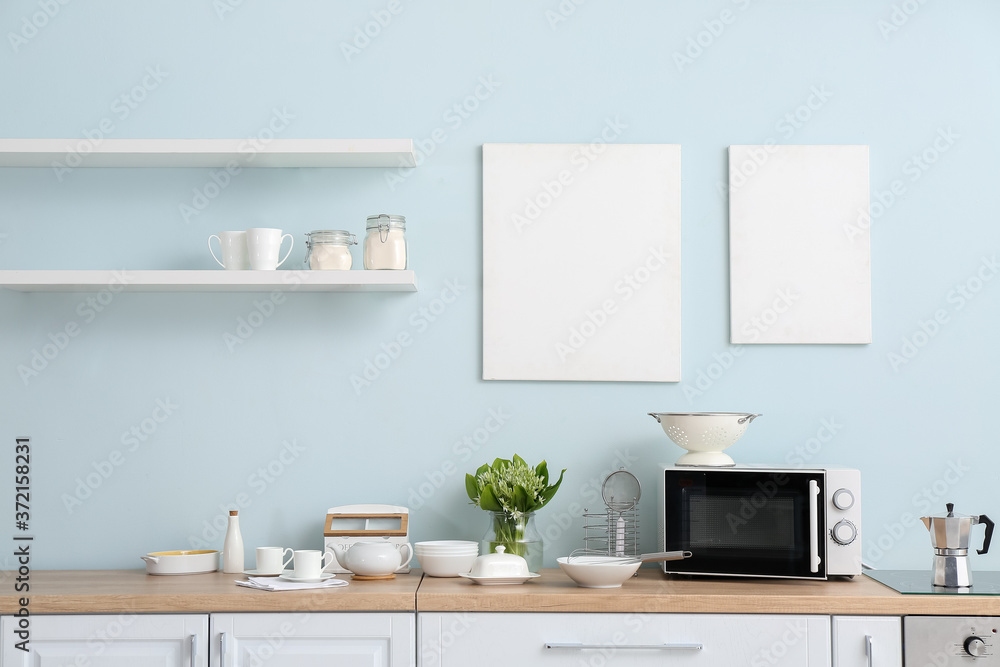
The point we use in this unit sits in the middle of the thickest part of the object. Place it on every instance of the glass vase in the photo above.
(518, 535)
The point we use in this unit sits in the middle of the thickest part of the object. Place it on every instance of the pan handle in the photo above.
(748, 419)
(989, 534)
(654, 416)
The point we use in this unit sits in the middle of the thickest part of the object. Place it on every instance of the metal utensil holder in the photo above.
(605, 535)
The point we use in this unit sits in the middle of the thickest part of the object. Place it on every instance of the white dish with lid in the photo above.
(499, 568)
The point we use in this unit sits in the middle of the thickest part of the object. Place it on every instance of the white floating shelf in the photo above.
(207, 153)
(208, 281)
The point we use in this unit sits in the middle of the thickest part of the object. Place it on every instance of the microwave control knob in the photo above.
(843, 499)
(975, 647)
(844, 532)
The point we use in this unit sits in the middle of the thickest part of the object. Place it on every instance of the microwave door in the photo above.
(746, 523)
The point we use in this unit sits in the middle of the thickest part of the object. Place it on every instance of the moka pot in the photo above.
(950, 536)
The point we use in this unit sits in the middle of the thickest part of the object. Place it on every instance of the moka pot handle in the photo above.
(989, 534)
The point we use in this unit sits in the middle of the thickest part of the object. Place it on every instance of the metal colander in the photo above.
(704, 434)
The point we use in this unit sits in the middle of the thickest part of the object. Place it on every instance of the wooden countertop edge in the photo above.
(204, 604)
(715, 604)
(125, 591)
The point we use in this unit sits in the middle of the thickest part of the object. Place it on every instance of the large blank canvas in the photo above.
(799, 249)
(581, 262)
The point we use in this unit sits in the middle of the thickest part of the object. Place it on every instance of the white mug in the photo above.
(234, 250)
(310, 563)
(269, 560)
(263, 245)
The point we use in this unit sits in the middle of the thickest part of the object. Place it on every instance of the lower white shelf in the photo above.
(129, 280)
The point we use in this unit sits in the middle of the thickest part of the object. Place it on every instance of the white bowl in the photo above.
(447, 545)
(456, 547)
(181, 562)
(597, 571)
(438, 565)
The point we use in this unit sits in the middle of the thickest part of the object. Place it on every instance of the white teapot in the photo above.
(373, 559)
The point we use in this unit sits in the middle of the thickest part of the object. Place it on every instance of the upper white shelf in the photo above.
(208, 153)
(212, 280)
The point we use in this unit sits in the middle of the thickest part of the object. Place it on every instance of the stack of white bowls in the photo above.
(446, 558)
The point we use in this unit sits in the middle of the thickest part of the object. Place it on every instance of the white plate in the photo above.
(257, 573)
(496, 581)
(306, 580)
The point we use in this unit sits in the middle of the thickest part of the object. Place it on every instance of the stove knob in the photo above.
(844, 532)
(843, 499)
(975, 647)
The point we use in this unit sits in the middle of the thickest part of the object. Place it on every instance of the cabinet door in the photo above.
(314, 640)
(633, 640)
(119, 640)
(867, 641)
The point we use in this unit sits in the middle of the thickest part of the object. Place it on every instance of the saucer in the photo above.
(496, 581)
(306, 580)
(256, 573)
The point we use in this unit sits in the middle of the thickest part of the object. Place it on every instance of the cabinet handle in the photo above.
(869, 651)
(194, 650)
(657, 647)
(222, 653)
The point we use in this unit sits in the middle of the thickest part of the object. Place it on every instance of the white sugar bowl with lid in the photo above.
(500, 568)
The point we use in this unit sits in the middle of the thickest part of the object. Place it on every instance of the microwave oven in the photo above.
(759, 521)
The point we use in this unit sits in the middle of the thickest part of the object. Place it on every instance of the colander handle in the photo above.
(747, 419)
(654, 416)
(989, 534)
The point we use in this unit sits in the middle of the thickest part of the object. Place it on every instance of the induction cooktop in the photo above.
(918, 582)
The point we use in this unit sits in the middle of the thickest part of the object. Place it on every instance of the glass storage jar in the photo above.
(385, 242)
(329, 249)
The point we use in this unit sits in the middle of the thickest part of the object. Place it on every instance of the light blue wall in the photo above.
(904, 427)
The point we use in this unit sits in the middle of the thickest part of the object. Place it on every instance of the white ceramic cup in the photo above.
(234, 250)
(263, 245)
(310, 563)
(271, 560)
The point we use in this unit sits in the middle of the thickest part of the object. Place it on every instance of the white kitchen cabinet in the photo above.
(313, 640)
(457, 639)
(118, 640)
(867, 641)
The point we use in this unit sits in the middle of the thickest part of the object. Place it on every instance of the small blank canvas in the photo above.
(799, 248)
(581, 262)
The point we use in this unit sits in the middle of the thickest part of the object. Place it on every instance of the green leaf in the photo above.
(500, 463)
(521, 500)
(488, 500)
(483, 468)
(471, 487)
(542, 470)
(518, 459)
(548, 493)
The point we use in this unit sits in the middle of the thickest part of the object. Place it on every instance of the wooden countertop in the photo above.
(654, 592)
(116, 591)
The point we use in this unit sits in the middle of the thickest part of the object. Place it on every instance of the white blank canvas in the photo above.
(581, 262)
(799, 250)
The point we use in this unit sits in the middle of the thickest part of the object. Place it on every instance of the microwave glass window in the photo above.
(720, 522)
(741, 522)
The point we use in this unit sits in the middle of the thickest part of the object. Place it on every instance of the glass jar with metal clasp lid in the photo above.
(385, 242)
(329, 249)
